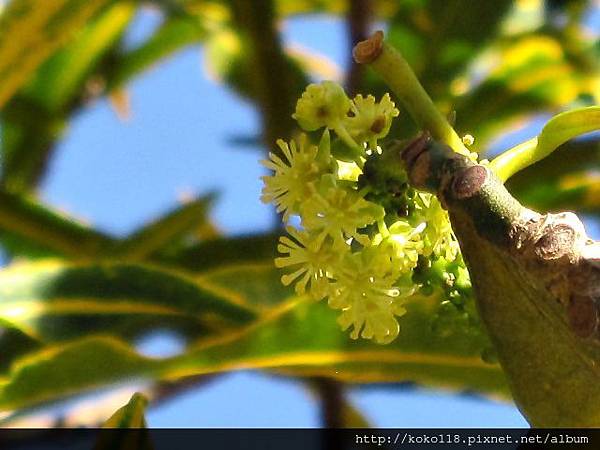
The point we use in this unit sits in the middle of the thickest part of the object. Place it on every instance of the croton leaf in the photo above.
(130, 415)
(126, 429)
(297, 337)
(52, 301)
(41, 27)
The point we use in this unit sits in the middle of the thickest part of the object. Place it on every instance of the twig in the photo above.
(331, 402)
(331, 396)
(271, 69)
(359, 17)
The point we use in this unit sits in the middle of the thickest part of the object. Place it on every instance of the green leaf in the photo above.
(41, 27)
(301, 338)
(61, 371)
(565, 126)
(60, 79)
(256, 285)
(129, 416)
(27, 137)
(535, 74)
(126, 428)
(222, 252)
(29, 228)
(14, 344)
(557, 131)
(440, 39)
(565, 180)
(52, 301)
(576, 191)
(36, 118)
(297, 338)
(166, 230)
(27, 225)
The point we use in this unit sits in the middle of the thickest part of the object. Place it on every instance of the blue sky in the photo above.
(117, 175)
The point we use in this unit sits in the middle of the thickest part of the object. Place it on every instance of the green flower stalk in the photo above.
(398, 75)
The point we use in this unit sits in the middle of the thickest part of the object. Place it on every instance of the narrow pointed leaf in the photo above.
(130, 415)
(66, 370)
(61, 77)
(565, 126)
(36, 117)
(557, 131)
(38, 227)
(223, 252)
(537, 186)
(53, 301)
(293, 336)
(534, 74)
(42, 27)
(304, 339)
(159, 234)
(299, 339)
(126, 428)
(256, 285)
(566, 180)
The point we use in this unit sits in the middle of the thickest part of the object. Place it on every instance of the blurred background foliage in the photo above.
(74, 300)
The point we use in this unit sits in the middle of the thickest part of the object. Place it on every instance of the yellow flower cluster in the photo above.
(344, 248)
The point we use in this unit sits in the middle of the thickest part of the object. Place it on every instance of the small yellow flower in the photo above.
(322, 105)
(348, 171)
(291, 181)
(311, 265)
(438, 236)
(371, 121)
(401, 246)
(368, 299)
(326, 105)
(370, 319)
(339, 213)
(468, 140)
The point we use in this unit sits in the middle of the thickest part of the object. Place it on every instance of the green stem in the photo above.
(347, 139)
(382, 228)
(398, 75)
(515, 159)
